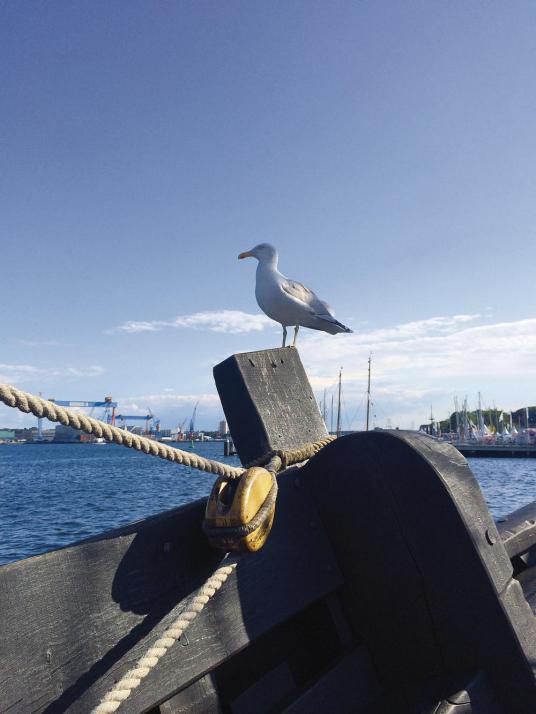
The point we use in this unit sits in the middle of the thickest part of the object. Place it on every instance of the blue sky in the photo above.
(387, 149)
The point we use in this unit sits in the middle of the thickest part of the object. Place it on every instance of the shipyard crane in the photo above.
(155, 420)
(180, 428)
(108, 405)
(192, 420)
(123, 418)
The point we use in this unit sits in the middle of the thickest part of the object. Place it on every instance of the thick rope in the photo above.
(39, 407)
(29, 403)
(132, 679)
(279, 460)
(274, 462)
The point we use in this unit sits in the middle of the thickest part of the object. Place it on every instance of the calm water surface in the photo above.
(54, 495)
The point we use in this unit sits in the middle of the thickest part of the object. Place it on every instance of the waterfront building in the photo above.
(25, 434)
(66, 434)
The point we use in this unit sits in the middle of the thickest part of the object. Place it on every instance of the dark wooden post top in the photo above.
(268, 401)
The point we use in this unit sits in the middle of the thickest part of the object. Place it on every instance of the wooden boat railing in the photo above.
(385, 586)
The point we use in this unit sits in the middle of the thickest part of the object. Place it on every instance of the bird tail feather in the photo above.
(332, 325)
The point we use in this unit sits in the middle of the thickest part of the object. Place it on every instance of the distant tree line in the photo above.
(492, 419)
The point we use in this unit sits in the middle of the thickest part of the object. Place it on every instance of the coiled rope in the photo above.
(275, 461)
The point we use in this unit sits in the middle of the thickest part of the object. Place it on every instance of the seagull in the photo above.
(287, 301)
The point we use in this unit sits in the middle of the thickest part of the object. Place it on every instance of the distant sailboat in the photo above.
(368, 393)
(339, 404)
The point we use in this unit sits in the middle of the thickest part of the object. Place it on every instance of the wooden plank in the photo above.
(348, 688)
(75, 620)
(303, 646)
(527, 580)
(265, 694)
(518, 530)
(201, 697)
(268, 402)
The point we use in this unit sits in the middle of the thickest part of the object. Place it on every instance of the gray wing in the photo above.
(306, 297)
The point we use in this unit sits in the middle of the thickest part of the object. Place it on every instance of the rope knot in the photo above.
(240, 512)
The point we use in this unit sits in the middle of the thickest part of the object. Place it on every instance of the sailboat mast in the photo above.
(368, 395)
(331, 420)
(339, 404)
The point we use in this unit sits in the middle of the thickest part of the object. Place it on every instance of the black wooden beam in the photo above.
(268, 401)
(428, 579)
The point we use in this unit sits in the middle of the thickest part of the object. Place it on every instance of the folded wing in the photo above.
(318, 309)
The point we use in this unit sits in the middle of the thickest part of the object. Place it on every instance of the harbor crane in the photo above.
(123, 418)
(180, 427)
(192, 420)
(156, 422)
(108, 405)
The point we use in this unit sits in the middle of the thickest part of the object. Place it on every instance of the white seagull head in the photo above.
(264, 252)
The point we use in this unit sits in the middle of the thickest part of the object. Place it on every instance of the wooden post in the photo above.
(268, 401)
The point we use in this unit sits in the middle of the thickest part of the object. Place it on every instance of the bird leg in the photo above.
(284, 334)
(296, 328)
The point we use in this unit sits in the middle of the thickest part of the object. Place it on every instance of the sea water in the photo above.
(54, 494)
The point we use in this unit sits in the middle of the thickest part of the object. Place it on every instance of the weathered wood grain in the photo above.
(268, 402)
(518, 530)
(350, 687)
(263, 696)
(75, 620)
(428, 576)
(200, 697)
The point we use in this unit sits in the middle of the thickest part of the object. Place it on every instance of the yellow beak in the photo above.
(247, 254)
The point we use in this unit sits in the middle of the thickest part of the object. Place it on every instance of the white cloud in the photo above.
(93, 371)
(445, 344)
(228, 321)
(166, 400)
(232, 321)
(173, 409)
(136, 326)
(15, 373)
(39, 343)
(415, 365)
(426, 362)
(18, 368)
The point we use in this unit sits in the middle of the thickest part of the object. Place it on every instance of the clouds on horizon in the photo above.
(437, 347)
(223, 321)
(14, 373)
(414, 364)
(425, 362)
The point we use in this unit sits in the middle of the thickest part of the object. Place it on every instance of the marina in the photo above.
(496, 451)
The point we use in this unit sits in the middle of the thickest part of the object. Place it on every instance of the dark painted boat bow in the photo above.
(385, 586)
